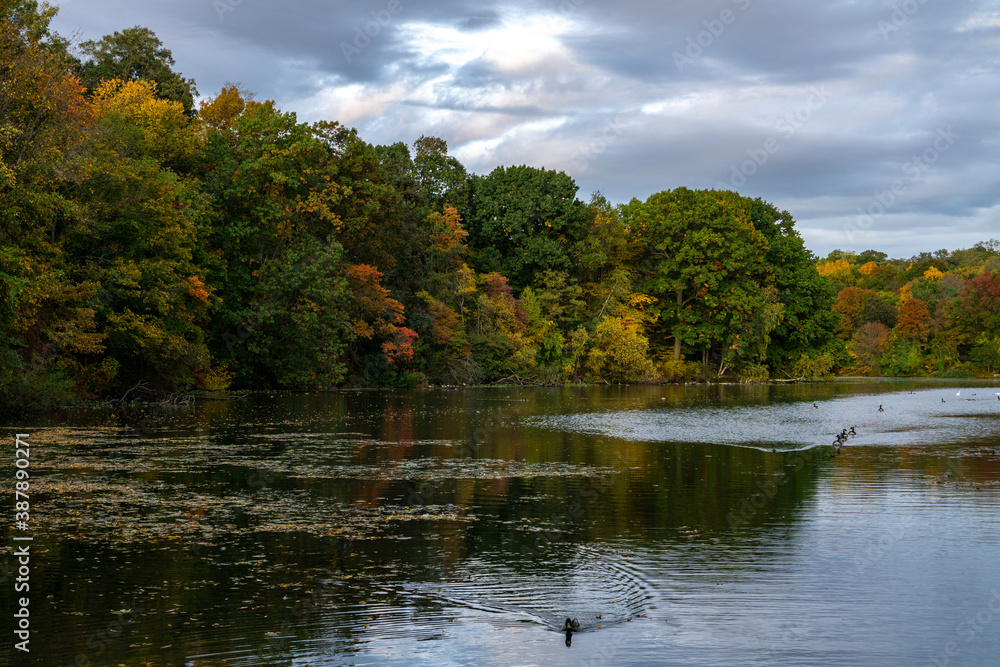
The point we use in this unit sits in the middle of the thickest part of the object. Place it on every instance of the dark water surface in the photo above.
(461, 527)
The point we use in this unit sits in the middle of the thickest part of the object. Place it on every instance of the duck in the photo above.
(815, 407)
(572, 625)
(852, 431)
(880, 409)
(942, 400)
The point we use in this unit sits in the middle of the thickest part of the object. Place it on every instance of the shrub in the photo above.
(619, 352)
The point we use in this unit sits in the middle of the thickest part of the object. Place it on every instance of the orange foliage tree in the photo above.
(914, 321)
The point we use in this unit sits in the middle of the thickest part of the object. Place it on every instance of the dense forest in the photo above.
(153, 241)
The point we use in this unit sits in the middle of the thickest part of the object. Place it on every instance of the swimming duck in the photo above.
(815, 406)
(572, 625)
(880, 409)
(851, 432)
(942, 400)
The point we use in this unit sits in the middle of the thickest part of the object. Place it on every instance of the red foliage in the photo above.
(494, 284)
(376, 313)
(371, 299)
(914, 320)
(401, 348)
(983, 292)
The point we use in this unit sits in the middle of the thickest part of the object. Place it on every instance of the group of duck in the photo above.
(842, 438)
(971, 399)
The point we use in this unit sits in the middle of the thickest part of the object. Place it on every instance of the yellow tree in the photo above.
(619, 352)
(165, 133)
(141, 222)
(221, 111)
(933, 273)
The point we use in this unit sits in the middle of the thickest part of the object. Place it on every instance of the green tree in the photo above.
(303, 325)
(47, 324)
(806, 322)
(498, 335)
(442, 179)
(878, 309)
(523, 221)
(133, 54)
(273, 184)
(871, 256)
(705, 263)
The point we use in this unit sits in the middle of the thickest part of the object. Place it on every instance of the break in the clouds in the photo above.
(874, 122)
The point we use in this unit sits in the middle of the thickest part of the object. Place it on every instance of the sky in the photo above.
(876, 123)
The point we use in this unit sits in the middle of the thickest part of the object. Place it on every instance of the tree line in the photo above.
(152, 244)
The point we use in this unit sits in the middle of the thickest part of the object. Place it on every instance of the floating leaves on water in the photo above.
(97, 482)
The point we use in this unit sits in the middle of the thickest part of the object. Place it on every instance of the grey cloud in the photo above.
(897, 77)
(478, 22)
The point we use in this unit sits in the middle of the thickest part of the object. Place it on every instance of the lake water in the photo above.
(702, 525)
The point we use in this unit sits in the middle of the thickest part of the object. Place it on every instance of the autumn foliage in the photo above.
(148, 247)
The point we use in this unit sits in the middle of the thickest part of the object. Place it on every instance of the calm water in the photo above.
(460, 527)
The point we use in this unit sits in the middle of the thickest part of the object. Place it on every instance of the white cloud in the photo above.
(980, 21)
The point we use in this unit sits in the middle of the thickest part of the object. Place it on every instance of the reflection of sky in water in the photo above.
(409, 548)
(908, 419)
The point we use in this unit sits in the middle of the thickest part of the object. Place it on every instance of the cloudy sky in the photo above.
(876, 123)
